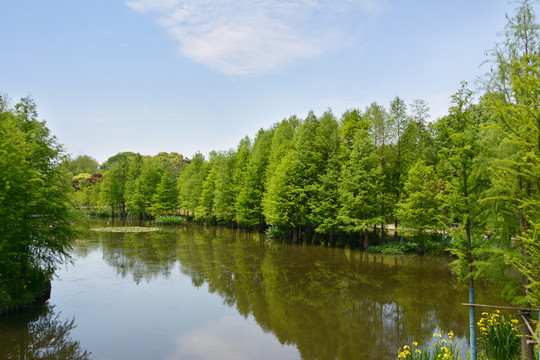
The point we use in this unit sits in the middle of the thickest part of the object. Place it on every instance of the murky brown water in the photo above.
(193, 292)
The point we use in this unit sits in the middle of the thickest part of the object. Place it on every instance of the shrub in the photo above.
(170, 220)
(394, 248)
(275, 232)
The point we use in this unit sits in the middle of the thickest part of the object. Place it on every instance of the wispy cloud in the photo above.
(252, 38)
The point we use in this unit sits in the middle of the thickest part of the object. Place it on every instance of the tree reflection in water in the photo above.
(39, 333)
(328, 303)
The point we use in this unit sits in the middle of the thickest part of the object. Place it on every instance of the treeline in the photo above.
(127, 184)
(312, 178)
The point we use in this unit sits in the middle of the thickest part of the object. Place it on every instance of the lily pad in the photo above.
(126, 229)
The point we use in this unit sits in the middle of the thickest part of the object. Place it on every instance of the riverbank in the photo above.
(40, 297)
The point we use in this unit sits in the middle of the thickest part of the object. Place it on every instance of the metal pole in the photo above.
(472, 325)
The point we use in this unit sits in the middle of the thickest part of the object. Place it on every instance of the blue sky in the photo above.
(198, 75)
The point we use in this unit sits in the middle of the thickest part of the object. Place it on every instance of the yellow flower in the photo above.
(415, 343)
(514, 321)
(450, 334)
(417, 351)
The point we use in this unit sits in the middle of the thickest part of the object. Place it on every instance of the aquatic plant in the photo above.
(394, 248)
(170, 220)
(499, 336)
(126, 229)
(275, 232)
(439, 348)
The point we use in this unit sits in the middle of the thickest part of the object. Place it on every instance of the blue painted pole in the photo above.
(472, 325)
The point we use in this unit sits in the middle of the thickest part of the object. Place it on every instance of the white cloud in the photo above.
(231, 337)
(252, 38)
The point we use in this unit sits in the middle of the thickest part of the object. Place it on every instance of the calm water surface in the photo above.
(193, 292)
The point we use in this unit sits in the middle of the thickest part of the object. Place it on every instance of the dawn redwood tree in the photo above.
(165, 199)
(145, 187)
(463, 184)
(513, 97)
(399, 169)
(224, 185)
(419, 206)
(323, 198)
(204, 210)
(190, 183)
(249, 202)
(35, 222)
(360, 185)
(381, 134)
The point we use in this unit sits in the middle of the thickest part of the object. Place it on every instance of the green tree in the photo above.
(190, 183)
(281, 203)
(145, 186)
(249, 204)
(81, 164)
(463, 183)
(204, 210)
(513, 98)
(419, 208)
(323, 197)
(399, 168)
(224, 184)
(360, 185)
(165, 199)
(35, 223)
(382, 125)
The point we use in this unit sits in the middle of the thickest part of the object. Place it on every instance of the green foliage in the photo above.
(360, 185)
(81, 164)
(190, 183)
(248, 207)
(165, 199)
(35, 218)
(275, 232)
(170, 220)
(98, 212)
(419, 207)
(394, 248)
(225, 181)
(499, 336)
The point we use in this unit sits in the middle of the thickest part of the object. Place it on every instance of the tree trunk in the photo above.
(309, 234)
(366, 239)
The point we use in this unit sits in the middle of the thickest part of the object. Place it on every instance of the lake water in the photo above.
(194, 292)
